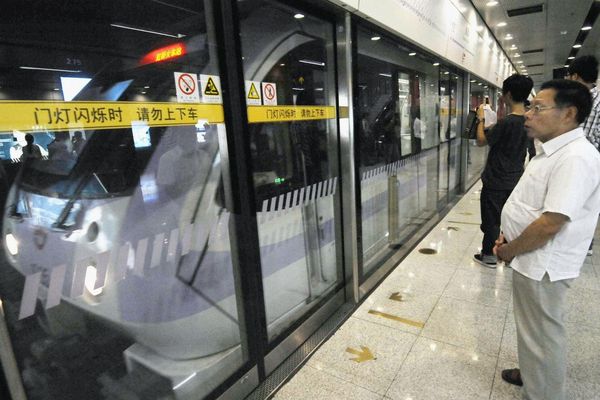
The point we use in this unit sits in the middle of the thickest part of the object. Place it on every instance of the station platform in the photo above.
(441, 326)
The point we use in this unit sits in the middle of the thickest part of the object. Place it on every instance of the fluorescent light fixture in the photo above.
(501, 24)
(146, 87)
(282, 65)
(519, 62)
(412, 54)
(72, 86)
(473, 81)
(492, 3)
(436, 64)
(571, 58)
(563, 32)
(133, 28)
(446, 73)
(566, 65)
(298, 89)
(319, 89)
(480, 83)
(319, 63)
(386, 75)
(576, 46)
(49, 69)
(586, 28)
(299, 16)
(376, 38)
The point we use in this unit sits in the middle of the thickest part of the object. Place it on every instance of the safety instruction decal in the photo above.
(269, 93)
(186, 85)
(253, 93)
(258, 114)
(211, 89)
(32, 116)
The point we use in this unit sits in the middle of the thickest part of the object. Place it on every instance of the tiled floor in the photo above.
(449, 331)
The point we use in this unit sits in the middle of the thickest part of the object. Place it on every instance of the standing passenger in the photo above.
(505, 163)
(31, 150)
(547, 222)
(585, 70)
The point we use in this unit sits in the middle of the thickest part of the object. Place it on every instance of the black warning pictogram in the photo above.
(253, 93)
(211, 88)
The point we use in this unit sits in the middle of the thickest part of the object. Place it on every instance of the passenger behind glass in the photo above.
(78, 142)
(31, 150)
(60, 147)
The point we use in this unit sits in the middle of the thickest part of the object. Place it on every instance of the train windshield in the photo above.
(108, 165)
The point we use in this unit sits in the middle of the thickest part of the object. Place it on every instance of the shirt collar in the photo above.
(561, 140)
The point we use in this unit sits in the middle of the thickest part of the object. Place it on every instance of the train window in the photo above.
(119, 279)
(289, 68)
(397, 112)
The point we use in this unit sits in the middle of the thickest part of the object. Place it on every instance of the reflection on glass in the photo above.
(397, 134)
(118, 275)
(293, 160)
(476, 155)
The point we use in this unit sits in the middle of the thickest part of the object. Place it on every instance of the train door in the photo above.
(289, 72)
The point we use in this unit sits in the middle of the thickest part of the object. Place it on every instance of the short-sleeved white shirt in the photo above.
(564, 177)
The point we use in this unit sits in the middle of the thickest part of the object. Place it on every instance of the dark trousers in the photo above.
(491, 203)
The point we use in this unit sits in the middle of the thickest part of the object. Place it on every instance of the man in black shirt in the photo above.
(505, 163)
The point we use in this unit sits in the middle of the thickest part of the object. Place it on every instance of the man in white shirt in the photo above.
(547, 223)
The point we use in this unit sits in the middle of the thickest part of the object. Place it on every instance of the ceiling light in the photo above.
(146, 87)
(492, 3)
(586, 28)
(516, 55)
(319, 63)
(501, 24)
(576, 46)
(133, 28)
(299, 16)
(49, 69)
(563, 32)
(473, 80)
(282, 65)
(386, 75)
(446, 73)
(376, 38)
(519, 62)
(571, 58)
(436, 64)
(412, 54)
(566, 65)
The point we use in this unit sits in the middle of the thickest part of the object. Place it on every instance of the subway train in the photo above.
(124, 228)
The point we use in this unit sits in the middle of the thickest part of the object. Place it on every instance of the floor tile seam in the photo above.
(482, 352)
(343, 379)
(473, 302)
(402, 363)
(470, 301)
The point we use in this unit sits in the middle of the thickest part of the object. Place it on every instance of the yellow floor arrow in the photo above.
(364, 355)
(395, 318)
(396, 296)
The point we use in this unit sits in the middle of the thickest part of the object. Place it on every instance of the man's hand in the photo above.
(504, 253)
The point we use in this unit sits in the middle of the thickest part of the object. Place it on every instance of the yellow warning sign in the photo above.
(253, 93)
(211, 88)
(31, 116)
(257, 114)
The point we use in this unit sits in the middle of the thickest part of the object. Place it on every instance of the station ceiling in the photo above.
(542, 32)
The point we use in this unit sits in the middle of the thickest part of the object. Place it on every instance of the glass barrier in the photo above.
(116, 274)
(289, 70)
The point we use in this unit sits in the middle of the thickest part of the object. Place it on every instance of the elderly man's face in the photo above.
(544, 118)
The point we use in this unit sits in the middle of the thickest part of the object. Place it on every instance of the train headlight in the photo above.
(12, 244)
(93, 231)
(91, 275)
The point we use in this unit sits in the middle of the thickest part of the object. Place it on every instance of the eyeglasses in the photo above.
(538, 108)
